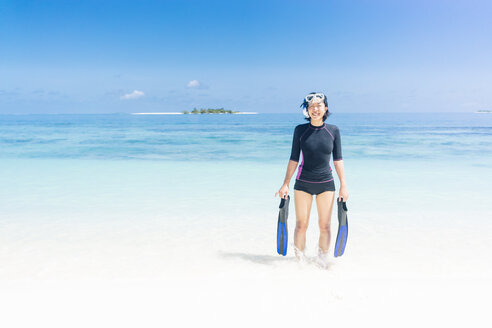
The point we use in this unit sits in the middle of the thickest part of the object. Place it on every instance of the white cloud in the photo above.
(133, 95)
(193, 84)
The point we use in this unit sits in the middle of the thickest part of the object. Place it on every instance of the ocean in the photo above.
(182, 198)
(262, 138)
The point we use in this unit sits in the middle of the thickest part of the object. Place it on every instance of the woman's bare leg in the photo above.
(324, 202)
(303, 202)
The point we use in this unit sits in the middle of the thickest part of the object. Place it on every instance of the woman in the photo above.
(318, 141)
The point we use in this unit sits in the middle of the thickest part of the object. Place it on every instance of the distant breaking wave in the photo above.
(169, 113)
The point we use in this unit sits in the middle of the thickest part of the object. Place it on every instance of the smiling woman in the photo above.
(317, 141)
(314, 103)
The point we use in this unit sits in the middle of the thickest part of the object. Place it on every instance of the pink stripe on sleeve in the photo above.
(300, 167)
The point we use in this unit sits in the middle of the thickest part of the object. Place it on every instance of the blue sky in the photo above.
(264, 56)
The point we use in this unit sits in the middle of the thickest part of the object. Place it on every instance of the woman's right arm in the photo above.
(291, 167)
(284, 190)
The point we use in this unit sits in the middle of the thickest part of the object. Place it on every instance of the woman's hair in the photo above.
(305, 105)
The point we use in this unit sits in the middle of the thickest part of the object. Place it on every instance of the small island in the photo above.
(198, 111)
(483, 111)
(210, 111)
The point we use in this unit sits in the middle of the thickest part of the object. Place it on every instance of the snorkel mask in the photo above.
(314, 97)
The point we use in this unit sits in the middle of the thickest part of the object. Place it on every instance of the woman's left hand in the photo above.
(343, 193)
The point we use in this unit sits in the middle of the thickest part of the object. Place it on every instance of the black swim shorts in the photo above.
(314, 188)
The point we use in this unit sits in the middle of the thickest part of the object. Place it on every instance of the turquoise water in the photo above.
(67, 160)
(139, 194)
(263, 138)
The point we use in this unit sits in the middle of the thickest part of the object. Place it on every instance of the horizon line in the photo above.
(179, 113)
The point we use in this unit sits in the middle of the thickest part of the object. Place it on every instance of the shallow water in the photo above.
(94, 195)
(140, 219)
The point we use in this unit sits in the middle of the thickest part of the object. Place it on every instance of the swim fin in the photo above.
(282, 226)
(342, 228)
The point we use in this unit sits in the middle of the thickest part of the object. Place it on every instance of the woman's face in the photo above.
(317, 110)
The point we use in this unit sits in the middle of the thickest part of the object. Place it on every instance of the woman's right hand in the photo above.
(283, 191)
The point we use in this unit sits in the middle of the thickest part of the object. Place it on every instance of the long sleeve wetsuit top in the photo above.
(317, 144)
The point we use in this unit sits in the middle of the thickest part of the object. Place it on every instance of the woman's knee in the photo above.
(324, 228)
(301, 226)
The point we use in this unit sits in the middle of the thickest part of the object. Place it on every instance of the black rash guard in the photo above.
(317, 143)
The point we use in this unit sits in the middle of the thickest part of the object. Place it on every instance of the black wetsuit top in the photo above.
(317, 144)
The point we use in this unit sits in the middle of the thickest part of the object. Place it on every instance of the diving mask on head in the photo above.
(314, 97)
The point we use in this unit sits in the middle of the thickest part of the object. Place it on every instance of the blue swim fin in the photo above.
(342, 228)
(282, 226)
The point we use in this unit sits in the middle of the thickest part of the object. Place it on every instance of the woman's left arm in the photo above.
(343, 193)
(338, 162)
